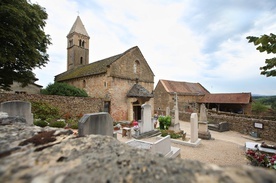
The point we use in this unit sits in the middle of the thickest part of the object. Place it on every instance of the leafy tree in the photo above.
(266, 43)
(259, 108)
(63, 89)
(23, 42)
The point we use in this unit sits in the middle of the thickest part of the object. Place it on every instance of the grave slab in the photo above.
(18, 109)
(96, 123)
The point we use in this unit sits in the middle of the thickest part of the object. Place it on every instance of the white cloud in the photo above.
(181, 40)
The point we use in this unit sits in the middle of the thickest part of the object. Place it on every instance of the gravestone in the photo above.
(162, 146)
(168, 111)
(175, 126)
(96, 123)
(18, 109)
(203, 131)
(194, 128)
(146, 123)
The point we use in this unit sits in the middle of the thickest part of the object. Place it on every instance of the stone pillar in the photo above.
(194, 127)
(175, 126)
(168, 111)
(203, 131)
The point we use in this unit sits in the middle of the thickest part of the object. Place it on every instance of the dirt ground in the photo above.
(226, 148)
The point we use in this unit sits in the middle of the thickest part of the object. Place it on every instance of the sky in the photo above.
(198, 41)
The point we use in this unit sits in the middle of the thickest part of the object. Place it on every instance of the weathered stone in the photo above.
(104, 159)
(10, 120)
(96, 123)
(17, 108)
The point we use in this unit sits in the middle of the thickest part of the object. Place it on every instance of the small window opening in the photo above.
(83, 84)
(136, 67)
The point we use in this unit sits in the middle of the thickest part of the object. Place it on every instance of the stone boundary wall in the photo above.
(72, 105)
(241, 124)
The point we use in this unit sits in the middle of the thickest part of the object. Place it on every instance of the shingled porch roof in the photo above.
(227, 98)
(183, 88)
(139, 91)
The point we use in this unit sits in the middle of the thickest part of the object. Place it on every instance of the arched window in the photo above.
(82, 44)
(81, 60)
(70, 43)
(79, 42)
(136, 67)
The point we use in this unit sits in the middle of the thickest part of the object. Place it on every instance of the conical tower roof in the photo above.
(78, 27)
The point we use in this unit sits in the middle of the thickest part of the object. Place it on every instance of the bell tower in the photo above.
(77, 45)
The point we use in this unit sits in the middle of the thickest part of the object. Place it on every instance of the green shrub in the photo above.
(43, 111)
(165, 122)
(72, 123)
(63, 89)
(40, 123)
(57, 124)
(172, 134)
(74, 126)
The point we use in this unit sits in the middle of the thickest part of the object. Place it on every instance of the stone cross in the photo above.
(175, 126)
(168, 111)
(202, 113)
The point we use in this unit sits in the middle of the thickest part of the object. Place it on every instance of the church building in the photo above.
(124, 81)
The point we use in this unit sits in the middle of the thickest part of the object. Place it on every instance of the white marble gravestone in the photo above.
(146, 123)
(194, 128)
(18, 108)
(96, 123)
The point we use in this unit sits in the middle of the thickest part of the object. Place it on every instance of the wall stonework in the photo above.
(241, 124)
(72, 159)
(71, 105)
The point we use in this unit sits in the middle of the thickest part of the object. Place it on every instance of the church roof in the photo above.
(95, 68)
(183, 88)
(139, 91)
(78, 27)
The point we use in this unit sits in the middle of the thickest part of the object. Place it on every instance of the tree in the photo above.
(23, 42)
(63, 89)
(266, 43)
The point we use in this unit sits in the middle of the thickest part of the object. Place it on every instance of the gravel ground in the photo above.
(226, 148)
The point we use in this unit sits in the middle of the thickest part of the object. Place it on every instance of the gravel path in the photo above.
(226, 148)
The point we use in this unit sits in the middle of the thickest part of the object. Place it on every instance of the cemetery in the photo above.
(59, 147)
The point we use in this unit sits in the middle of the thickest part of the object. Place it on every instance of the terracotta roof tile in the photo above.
(184, 87)
(227, 98)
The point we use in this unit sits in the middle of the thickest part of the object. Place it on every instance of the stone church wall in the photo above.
(132, 65)
(120, 87)
(71, 105)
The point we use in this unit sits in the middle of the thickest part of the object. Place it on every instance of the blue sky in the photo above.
(202, 41)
